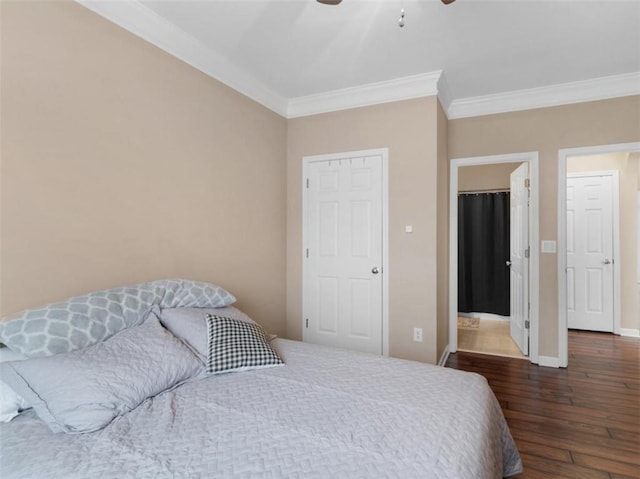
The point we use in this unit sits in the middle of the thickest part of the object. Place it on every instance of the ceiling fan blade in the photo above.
(329, 2)
(447, 2)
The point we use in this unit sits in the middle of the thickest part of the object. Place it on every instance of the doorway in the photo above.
(620, 266)
(528, 275)
(486, 267)
(345, 250)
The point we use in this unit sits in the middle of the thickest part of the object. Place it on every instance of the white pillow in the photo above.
(10, 403)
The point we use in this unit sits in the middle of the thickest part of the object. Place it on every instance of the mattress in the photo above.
(326, 413)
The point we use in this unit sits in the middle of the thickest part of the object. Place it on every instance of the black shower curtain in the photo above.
(483, 250)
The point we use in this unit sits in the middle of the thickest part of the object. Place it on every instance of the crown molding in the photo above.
(145, 23)
(554, 95)
(405, 88)
(444, 94)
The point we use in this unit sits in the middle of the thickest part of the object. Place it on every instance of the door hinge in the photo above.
(527, 252)
(526, 182)
(306, 322)
(307, 252)
(526, 324)
(307, 183)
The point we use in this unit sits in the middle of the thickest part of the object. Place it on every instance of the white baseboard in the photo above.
(548, 361)
(491, 316)
(631, 333)
(444, 357)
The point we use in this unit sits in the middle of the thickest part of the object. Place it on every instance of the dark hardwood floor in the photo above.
(578, 422)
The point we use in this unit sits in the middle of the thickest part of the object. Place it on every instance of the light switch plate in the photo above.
(548, 246)
(408, 229)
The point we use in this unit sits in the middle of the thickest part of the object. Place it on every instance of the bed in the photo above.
(316, 412)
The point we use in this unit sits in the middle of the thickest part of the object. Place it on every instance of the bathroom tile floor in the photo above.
(489, 337)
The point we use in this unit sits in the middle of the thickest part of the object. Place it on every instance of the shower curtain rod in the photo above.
(468, 192)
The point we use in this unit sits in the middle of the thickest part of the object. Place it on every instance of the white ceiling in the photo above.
(288, 49)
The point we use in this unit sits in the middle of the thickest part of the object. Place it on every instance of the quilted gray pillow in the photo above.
(238, 346)
(84, 390)
(85, 320)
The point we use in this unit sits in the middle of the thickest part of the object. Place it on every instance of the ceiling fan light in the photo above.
(329, 2)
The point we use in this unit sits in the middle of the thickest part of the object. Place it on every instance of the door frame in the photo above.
(534, 258)
(563, 154)
(384, 153)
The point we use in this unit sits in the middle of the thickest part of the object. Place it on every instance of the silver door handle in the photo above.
(606, 261)
(375, 270)
(508, 263)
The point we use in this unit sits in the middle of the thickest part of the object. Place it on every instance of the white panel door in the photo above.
(519, 258)
(590, 252)
(342, 302)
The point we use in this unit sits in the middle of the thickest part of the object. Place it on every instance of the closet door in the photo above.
(342, 299)
(590, 252)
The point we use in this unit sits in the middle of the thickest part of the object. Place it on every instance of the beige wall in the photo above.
(547, 130)
(627, 166)
(486, 177)
(443, 235)
(121, 164)
(409, 130)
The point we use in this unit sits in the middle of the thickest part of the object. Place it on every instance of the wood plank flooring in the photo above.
(578, 422)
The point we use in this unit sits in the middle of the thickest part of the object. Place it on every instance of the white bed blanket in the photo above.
(326, 413)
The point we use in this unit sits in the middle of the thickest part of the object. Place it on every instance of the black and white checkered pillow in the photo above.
(236, 345)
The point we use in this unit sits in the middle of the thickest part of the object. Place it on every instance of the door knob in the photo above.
(375, 270)
(606, 261)
(508, 263)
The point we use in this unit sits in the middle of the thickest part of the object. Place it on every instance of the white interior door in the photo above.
(519, 258)
(342, 298)
(590, 252)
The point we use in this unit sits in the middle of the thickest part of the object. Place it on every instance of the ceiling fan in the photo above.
(336, 2)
